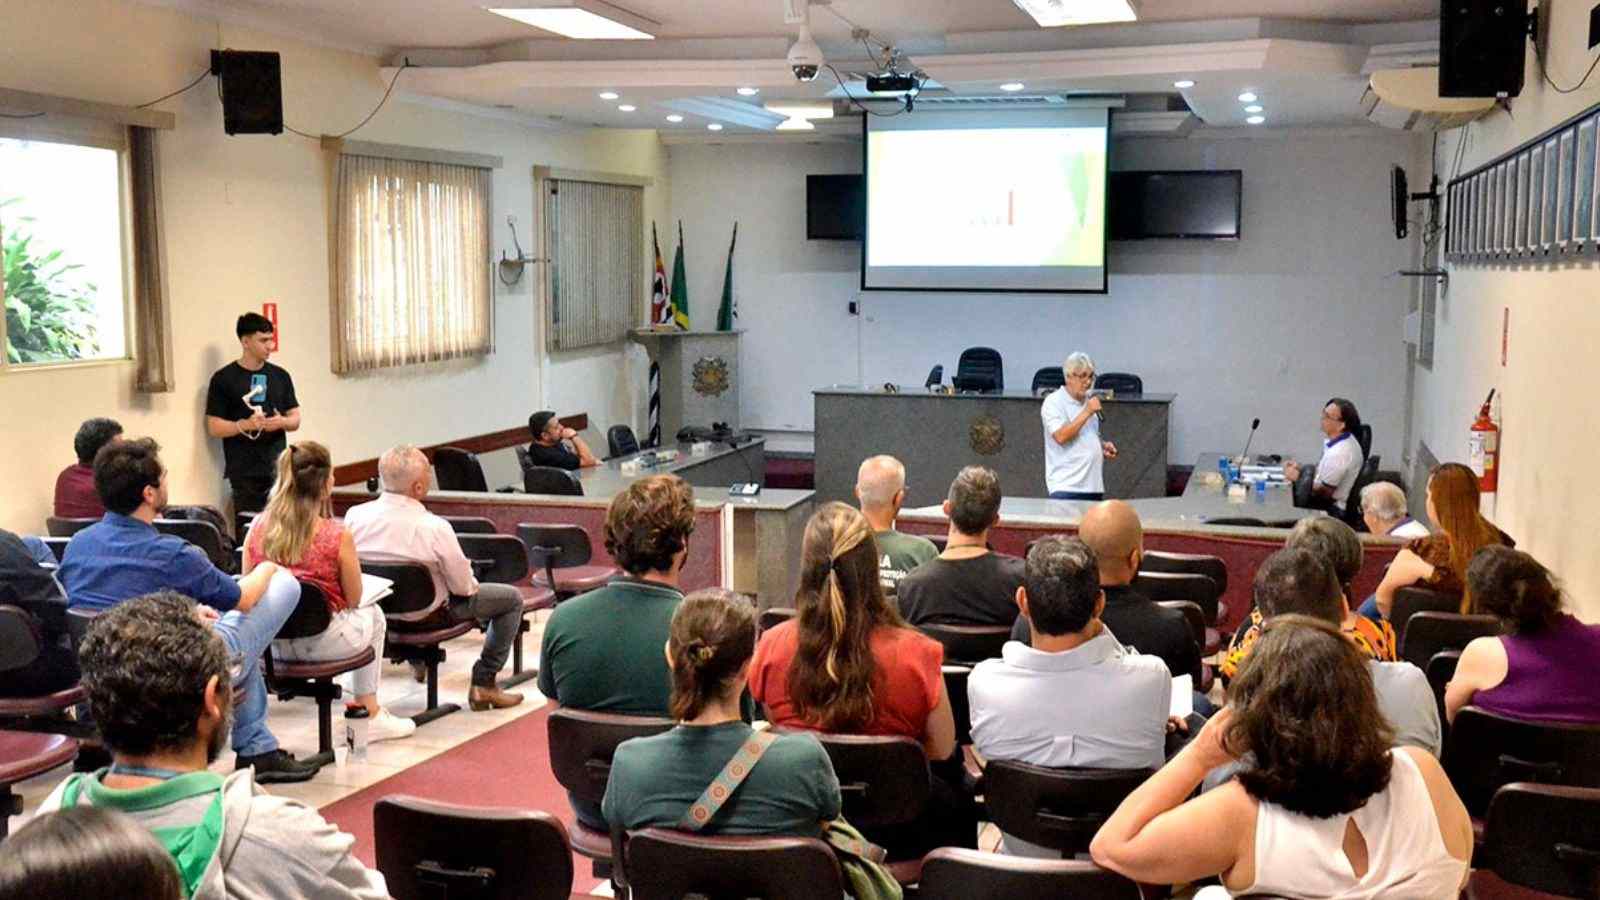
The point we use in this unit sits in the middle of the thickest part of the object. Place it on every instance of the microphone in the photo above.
(1245, 456)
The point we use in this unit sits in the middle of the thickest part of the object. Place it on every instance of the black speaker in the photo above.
(252, 91)
(1483, 47)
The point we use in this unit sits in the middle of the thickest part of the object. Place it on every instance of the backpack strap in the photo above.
(727, 781)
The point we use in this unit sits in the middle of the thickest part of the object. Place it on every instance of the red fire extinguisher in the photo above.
(1484, 449)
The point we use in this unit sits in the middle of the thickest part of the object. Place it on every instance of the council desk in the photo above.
(936, 435)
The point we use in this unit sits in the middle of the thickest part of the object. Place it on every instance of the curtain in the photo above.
(595, 282)
(412, 263)
(152, 308)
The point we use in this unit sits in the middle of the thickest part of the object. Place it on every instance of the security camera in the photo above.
(805, 57)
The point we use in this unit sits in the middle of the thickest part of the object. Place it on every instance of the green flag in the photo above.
(680, 287)
(729, 310)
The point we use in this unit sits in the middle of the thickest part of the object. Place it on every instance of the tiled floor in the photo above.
(295, 724)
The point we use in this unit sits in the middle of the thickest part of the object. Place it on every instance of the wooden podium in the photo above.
(699, 377)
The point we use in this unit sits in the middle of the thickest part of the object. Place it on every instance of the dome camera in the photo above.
(805, 57)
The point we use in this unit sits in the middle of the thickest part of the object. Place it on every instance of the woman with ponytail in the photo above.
(655, 780)
(297, 532)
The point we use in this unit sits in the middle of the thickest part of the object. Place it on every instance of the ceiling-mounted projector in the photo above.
(891, 83)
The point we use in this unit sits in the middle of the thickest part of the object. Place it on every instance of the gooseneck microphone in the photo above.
(1245, 456)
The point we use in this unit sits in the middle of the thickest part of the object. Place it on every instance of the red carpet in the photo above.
(509, 766)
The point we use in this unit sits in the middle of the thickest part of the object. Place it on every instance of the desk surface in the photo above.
(607, 479)
(914, 391)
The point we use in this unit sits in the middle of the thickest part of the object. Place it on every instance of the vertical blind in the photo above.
(413, 260)
(594, 283)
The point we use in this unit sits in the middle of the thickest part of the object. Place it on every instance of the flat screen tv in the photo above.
(836, 207)
(1205, 205)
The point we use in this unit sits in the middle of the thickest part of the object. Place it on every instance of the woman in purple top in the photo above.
(1546, 666)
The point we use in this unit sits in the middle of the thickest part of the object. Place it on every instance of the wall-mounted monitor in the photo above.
(1203, 205)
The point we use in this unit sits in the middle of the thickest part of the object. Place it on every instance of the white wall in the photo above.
(246, 223)
(1304, 307)
(1550, 421)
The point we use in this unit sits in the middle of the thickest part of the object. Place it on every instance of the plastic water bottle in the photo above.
(1261, 491)
(356, 722)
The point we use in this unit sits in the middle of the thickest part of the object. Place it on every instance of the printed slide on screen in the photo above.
(1001, 197)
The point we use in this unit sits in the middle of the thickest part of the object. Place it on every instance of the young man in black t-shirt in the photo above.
(250, 405)
(550, 440)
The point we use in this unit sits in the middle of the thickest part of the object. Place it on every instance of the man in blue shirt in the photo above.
(123, 556)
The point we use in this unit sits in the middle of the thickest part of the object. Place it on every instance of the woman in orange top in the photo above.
(1439, 561)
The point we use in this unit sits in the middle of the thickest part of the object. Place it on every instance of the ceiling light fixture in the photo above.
(608, 95)
(1256, 120)
(1053, 13)
(1247, 97)
(748, 91)
(715, 126)
(1253, 108)
(796, 125)
(1183, 85)
(674, 118)
(1011, 87)
(627, 107)
(585, 20)
(801, 110)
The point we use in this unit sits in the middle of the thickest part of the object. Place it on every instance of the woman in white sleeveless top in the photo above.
(1327, 810)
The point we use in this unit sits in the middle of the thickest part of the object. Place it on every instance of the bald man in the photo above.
(1113, 531)
(881, 489)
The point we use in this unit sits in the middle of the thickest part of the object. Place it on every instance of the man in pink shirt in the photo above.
(397, 527)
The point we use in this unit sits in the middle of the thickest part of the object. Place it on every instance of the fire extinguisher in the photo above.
(1484, 449)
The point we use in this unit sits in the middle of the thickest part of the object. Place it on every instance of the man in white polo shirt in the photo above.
(1342, 456)
(1074, 455)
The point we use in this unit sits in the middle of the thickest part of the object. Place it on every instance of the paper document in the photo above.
(374, 588)
(1182, 696)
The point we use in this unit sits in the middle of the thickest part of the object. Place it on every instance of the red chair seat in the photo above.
(42, 705)
(1486, 885)
(588, 842)
(906, 871)
(24, 754)
(536, 597)
(313, 670)
(431, 636)
(578, 579)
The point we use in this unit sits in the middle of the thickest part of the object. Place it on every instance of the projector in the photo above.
(892, 83)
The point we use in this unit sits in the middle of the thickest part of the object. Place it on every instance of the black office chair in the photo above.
(1364, 438)
(1352, 504)
(207, 537)
(458, 470)
(935, 377)
(560, 558)
(1486, 751)
(1440, 669)
(21, 639)
(1119, 383)
(968, 644)
(884, 784)
(410, 639)
(1047, 379)
(64, 527)
(288, 679)
(1428, 633)
(1410, 600)
(470, 524)
(551, 480)
(620, 441)
(1056, 808)
(427, 849)
(980, 369)
(1212, 567)
(582, 745)
(1541, 838)
(503, 559)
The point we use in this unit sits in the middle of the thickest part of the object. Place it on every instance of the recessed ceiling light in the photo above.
(715, 126)
(1052, 13)
(1253, 108)
(796, 125)
(1247, 97)
(581, 19)
(608, 95)
(749, 91)
(1256, 120)
(1011, 87)
(674, 118)
(1184, 84)
(627, 107)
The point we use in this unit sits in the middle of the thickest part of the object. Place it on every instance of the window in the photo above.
(593, 235)
(65, 242)
(413, 259)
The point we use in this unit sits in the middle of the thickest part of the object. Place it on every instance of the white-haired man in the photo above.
(1074, 454)
(397, 527)
(881, 490)
(1383, 508)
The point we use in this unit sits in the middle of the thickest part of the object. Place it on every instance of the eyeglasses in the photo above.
(1089, 375)
(1328, 418)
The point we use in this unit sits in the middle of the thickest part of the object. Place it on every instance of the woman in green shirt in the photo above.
(791, 790)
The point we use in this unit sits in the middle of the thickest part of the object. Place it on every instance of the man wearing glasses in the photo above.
(1342, 457)
(1074, 455)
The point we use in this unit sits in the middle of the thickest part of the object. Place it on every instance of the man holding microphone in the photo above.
(1074, 455)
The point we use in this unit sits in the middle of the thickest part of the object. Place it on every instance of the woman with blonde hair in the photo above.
(297, 532)
(1439, 561)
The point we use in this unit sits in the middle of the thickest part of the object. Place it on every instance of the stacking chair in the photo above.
(21, 635)
(1119, 383)
(1213, 567)
(775, 616)
(581, 745)
(968, 644)
(289, 679)
(1056, 808)
(1484, 752)
(504, 560)
(1197, 589)
(1440, 669)
(204, 535)
(550, 480)
(411, 639)
(429, 850)
(1428, 633)
(1408, 601)
(1046, 380)
(563, 548)
(1197, 630)
(1238, 521)
(620, 441)
(458, 470)
(1540, 838)
(470, 524)
(57, 545)
(955, 873)
(24, 755)
(884, 783)
(980, 369)
(663, 864)
(65, 527)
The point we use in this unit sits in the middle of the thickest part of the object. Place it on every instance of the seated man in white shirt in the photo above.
(1076, 697)
(397, 527)
(1383, 508)
(1341, 460)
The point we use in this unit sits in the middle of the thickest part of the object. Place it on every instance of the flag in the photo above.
(680, 287)
(660, 305)
(729, 310)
